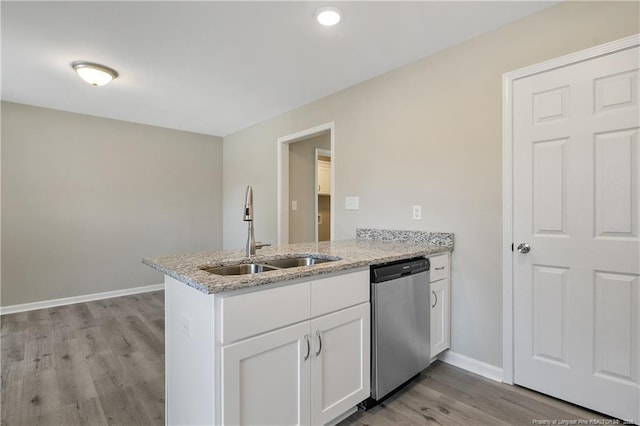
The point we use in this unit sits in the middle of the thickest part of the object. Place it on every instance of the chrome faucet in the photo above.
(252, 245)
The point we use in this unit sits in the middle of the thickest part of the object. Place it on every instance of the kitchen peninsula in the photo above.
(283, 346)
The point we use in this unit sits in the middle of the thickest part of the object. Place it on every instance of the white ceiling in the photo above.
(218, 67)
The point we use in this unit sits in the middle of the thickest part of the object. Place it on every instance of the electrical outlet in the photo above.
(351, 203)
(294, 205)
(187, 325)
(417, 212)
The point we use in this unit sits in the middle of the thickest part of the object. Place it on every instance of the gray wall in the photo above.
(429, 133)
(302, 157)
(85, 198)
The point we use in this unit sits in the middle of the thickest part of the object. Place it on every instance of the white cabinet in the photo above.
(340, 372)
(439, 317)
(440, 304)
(324, 177)
(266, 379)
(307, 373)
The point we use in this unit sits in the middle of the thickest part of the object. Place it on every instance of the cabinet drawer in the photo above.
(339, 292)
(439, 267)
(260, 311)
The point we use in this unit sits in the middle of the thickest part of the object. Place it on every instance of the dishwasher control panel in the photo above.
(394, 270)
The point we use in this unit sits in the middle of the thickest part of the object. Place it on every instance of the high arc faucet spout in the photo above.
(251, 245)
(248, 204)
(250, 248)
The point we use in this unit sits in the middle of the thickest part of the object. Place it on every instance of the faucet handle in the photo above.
(259, 245)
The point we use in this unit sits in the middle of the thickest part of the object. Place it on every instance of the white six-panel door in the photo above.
(576, 189)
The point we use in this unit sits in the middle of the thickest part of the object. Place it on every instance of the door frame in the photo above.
(318, 153)
(508, 338)
(283, 175)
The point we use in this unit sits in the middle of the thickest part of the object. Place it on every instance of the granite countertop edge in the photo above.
(353, 254)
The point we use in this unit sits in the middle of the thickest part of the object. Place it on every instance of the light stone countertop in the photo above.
(353, 254)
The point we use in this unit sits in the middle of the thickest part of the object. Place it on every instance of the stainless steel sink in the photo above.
(267, 265)
(297, 261)
(246, 268)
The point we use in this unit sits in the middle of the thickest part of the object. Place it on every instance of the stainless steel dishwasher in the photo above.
(400, 305)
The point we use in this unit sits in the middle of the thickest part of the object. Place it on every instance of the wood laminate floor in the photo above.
(94, 363)
(447, 395)
(102, 363)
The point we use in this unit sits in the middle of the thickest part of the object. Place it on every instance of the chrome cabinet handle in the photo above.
(523, 248)
(436, 296)
(306, 337)
(319, 342)
(440, 268)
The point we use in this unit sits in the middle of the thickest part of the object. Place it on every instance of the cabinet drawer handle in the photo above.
(319, 342)
(306, 338)
(440, 268)
(436, 296)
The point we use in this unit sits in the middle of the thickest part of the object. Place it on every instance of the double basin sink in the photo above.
(267, 265)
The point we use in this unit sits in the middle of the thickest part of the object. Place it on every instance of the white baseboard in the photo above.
(12, 309)
(473, 365)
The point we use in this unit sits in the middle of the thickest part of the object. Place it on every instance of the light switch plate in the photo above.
(351, 203)
(294, 205)
(417, 212)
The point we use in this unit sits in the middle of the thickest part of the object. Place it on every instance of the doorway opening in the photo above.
(322, 194)
(301, 203)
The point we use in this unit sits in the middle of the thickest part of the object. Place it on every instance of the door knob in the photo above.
(523, 248)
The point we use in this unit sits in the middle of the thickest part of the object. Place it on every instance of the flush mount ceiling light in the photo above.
(328, 16)
(94, 74)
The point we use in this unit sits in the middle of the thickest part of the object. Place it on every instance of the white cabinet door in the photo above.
(265, 379)
(340, 371)
(440, 304)
(324, 177)
(439, 316)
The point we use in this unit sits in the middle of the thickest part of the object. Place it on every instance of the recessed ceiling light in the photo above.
(328, 16)
(94, 74)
